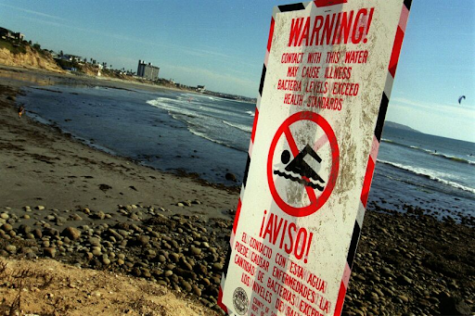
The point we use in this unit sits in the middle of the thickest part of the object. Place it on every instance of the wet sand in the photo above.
(42, 166)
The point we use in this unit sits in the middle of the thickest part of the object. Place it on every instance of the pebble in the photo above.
(11, 248)
(49, 252)
(75, 217)
(195, 251)
(6, 227)
(218, 266)
(95, 241)
(96, 251)
(186, 285)
(99, 215)
(146, 273)
(196, 290)
(72, 233)
(404, 280)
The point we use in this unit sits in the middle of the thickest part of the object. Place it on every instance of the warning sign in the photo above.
(323, 96)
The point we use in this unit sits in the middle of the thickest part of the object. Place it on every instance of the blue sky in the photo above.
(221, 44)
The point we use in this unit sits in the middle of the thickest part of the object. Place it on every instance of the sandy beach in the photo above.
(62, 200)
(45, 167)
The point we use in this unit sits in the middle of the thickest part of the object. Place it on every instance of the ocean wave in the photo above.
(197, 96)
(161, 101)
(251, 113)
(453, 158)
(190, 108)
(427, 174)
(207, 137)
(431, 152)
(200, 123)
(216, 111)
(244, 128)
(392, 142)
(167, 105)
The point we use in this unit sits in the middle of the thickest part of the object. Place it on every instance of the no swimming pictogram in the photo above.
(303, 164)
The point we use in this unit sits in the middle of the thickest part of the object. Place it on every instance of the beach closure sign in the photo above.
(323, 96)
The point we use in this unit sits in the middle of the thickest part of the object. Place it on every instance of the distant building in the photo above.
(147, 71)
(200, 89)
(7, 34)
(74, 58)
(98, 69)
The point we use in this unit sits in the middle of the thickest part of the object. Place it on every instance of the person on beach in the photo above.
(21, 111)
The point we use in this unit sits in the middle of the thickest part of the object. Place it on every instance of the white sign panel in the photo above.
(324, 92)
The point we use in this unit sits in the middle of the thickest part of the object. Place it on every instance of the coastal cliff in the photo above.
(30, 58)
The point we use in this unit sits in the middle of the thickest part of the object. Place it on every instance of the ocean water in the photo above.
(209, 136)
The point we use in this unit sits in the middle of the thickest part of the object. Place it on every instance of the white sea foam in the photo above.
(435, 176)
(167, 104)
(197, 120)
(208, 137)
(244, 128)
(453, 158)
(205, 136)
(251, 113)
(183, 106)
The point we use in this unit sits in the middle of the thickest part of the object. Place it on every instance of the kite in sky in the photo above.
(461, 98)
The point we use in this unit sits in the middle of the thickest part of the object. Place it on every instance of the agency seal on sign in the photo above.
(240, 301)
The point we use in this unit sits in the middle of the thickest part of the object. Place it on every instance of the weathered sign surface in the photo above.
(324, 92)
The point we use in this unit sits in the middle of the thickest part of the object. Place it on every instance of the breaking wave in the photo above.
(429, 175)
(244, 128)
(431, 152)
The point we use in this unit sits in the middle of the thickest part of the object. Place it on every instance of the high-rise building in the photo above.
(147, 71)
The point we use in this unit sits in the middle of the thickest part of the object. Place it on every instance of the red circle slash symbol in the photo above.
(296, 168)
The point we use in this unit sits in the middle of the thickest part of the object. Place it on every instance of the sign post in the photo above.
(324, 92)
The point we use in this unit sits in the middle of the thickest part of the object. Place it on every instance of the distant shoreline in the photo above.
(28, 77)
(400, 126)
